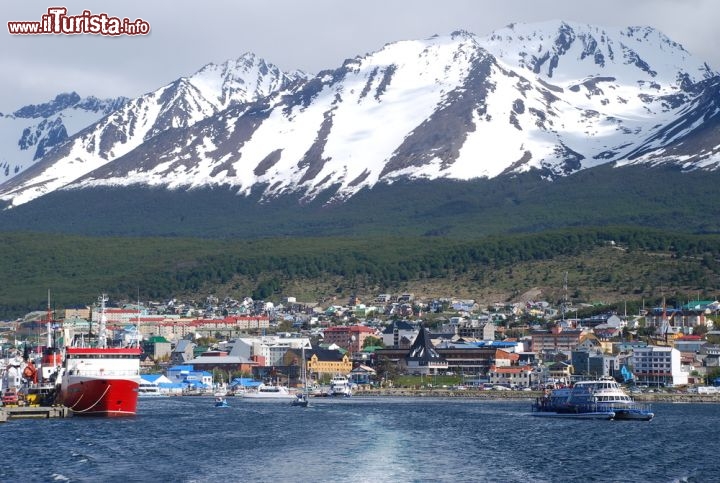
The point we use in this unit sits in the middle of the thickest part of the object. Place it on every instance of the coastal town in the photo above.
(392, 342)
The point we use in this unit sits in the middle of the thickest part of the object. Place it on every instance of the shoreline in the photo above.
(529, 395)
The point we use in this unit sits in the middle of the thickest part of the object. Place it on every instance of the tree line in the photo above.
(78, 268)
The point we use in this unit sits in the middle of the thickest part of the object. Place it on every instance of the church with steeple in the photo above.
(422, 358)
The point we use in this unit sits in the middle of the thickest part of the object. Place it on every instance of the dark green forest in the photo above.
(76, 268)
(663, 198)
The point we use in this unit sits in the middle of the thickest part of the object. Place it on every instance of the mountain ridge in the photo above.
(30, 132)
(176, 105)
(554, 99)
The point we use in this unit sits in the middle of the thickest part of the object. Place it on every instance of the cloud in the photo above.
(307, 35)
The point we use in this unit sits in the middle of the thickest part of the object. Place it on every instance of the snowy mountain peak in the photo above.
(61, 101)
(245, 79)
(31, 131)
(561, 50)
(178, 105)
(69, 100)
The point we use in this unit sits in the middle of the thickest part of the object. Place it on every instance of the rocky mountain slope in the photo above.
(30, 132)
(553, 98)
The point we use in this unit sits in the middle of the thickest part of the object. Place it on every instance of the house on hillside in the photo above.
(658, 366)
(178, 373)
(350, 338)
(560, 372)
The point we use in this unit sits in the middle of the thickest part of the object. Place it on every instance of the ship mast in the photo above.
(137, 321)
(49, 323)
(102, 331)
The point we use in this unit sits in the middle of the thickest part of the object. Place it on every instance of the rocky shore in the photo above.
(498, 395)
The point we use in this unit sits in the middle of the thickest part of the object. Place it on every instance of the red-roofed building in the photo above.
(175, 329)
(350, 337)
(555, 340)
(511, 376)
(505, 358)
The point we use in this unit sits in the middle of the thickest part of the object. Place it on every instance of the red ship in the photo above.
(101, 381)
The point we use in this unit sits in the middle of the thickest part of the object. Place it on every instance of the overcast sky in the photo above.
(308, 35)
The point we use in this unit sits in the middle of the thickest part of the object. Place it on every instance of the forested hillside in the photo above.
(608, 263)
(662, 198)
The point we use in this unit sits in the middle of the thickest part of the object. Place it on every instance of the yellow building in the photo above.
(327, 362)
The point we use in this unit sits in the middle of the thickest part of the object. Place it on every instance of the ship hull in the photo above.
(102, 397)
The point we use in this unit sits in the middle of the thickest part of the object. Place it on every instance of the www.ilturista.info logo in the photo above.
(57, 21)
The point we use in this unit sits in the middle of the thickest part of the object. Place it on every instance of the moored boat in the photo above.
(269, 392)
(101, 381)
(608, 395)
(149, 389)
(340, 386)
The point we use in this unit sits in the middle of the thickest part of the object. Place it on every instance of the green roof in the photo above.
(157, 338)
(372, 348)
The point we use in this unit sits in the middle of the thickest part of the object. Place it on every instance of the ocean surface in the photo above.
(187, 439)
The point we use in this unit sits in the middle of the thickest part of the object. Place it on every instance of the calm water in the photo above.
(186, 439)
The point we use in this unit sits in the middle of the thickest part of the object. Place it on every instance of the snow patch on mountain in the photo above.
(177, 105)
(32, 131)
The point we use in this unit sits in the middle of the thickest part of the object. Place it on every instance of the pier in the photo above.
(33, 412)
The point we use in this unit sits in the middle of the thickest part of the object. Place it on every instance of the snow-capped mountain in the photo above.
(30, 132)
(554, 97)
(177, 105)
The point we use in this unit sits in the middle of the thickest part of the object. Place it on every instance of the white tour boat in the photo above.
(269, 392)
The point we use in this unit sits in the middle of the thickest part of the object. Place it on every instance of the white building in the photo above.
(270, 349)
(512, 376)
(398, 334)
(656, 366)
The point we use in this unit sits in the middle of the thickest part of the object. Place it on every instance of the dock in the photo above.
(33, 412)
